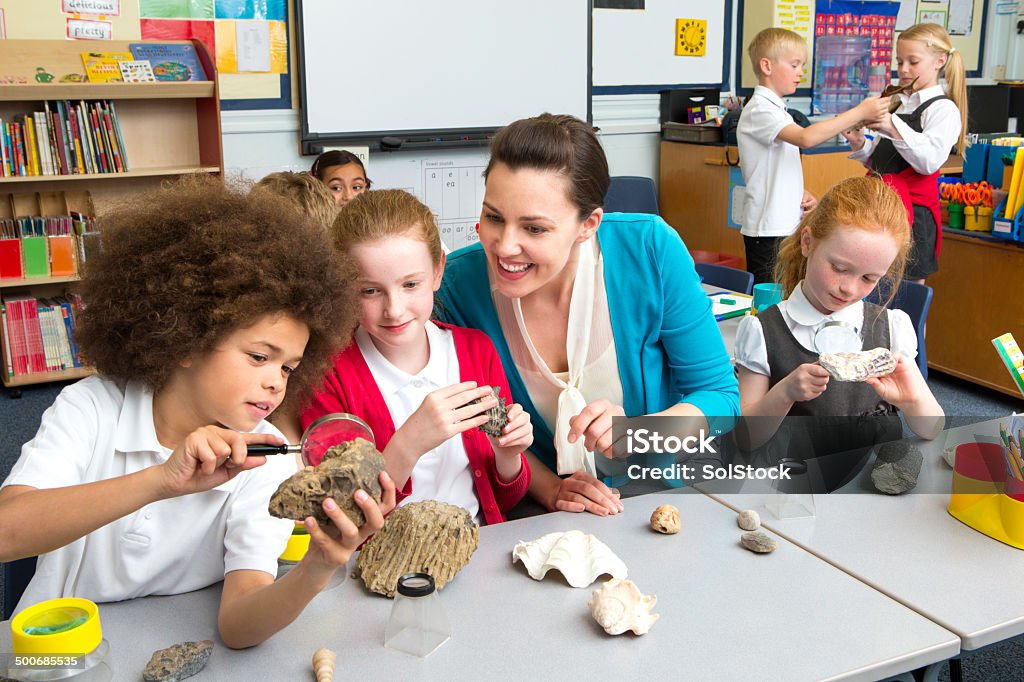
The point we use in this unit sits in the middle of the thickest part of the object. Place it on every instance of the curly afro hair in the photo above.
(186, 265)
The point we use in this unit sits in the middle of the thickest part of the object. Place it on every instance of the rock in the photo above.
(344, 469)
(748, 520)
(178, 662)
(498, 416)
(759, 542)
(949, 454)
(860, 365)
(665, 519)
(426, 537)
(897, 466)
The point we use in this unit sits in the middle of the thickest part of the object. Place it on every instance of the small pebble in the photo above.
(748, 520)
(758, 542)
(665, 519)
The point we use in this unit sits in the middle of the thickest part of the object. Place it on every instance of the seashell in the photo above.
(949, 454)
(859, 365)
(748, 520)
(323, 664)
(344, 469)
(580, 558)
(497, 416)
(424, 537)
(759, 542)
(618, 605)
(665, 519)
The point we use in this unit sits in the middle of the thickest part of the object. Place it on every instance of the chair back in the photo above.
(631, 194)
(726, 277)
(17, 575)
(914, 299)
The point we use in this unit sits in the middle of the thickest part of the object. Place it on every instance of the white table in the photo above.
(910, 548)
(725, 614)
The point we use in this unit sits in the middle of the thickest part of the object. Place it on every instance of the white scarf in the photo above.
(572, 457)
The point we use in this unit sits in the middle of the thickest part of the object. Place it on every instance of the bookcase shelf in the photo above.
(169, 129)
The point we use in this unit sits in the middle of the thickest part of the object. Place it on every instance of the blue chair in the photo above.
(914, 299)
(17, 575)
(631, 194)
(726, 277)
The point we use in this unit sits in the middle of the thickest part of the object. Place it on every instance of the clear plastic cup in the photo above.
(418, 624)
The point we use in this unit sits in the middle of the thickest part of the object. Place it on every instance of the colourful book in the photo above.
(177, 62)
(136, 71)
(102, 67)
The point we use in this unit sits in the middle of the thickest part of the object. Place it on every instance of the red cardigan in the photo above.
(349, 387)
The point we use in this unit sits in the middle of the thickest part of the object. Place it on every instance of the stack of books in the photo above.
(39, 334)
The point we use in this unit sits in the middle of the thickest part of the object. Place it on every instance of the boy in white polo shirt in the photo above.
(198, 312)
(770, 141)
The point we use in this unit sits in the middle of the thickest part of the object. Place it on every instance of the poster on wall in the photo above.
(89, 29)
(797, 16)
(961, 17)
(106, 8)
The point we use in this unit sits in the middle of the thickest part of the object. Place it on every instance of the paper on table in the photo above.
(725, 304)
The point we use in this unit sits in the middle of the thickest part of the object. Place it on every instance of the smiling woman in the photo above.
(594, 315)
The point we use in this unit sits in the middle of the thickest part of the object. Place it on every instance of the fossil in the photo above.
(859, 365)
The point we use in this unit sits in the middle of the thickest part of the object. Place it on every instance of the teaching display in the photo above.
(423, 72)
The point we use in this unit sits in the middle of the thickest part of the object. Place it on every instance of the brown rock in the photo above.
(427, 537)
(665, 519)
(344, 469)
(748, 519)
(178, 662)
(759, 542)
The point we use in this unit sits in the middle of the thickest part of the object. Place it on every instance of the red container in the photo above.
(715, 258)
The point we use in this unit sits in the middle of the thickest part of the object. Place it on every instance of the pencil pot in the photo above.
(944, 211)
(59, 639)
(956, 215)
(984, 496)
(978, 218)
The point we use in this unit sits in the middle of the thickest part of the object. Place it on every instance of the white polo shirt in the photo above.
(804, 320)
(443, 473)
(771, 168)
(95, 430)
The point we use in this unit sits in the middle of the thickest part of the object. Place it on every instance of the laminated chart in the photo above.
(454, 194)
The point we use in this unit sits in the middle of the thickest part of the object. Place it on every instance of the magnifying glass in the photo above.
(837, 337)
(327, 431)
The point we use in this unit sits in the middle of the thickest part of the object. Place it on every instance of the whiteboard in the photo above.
(437, 67)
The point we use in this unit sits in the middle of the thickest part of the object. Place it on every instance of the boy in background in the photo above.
(304, 193)
(770, 141)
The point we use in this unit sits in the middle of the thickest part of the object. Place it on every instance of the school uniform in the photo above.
(774, 180)
(460, 471)
(929, 123)
(99, 429)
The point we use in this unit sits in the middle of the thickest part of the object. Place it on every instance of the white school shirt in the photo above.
(600, 374)
(96, 430)
(804, 320)
(443, 473)
(771, 167)
(928, 150)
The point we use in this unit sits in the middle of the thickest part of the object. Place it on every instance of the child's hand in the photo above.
(332, 546)
(882, 125)
(594, 424)
(808, 202)
(874, 108)
(856, 138)
(208, 457)
(806, 382)
(903, 387)
(445, 413)
(518, 434)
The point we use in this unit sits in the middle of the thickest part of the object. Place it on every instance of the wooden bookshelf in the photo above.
(169, 129)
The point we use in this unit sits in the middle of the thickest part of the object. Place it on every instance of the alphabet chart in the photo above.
(454, 194)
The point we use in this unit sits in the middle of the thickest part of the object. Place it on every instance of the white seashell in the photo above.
(949, 454)
(618, 605)
(580, 558)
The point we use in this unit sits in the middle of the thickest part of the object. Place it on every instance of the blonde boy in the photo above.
(304, 192)
(770, 142)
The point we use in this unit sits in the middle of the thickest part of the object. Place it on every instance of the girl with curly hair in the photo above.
(202, 308)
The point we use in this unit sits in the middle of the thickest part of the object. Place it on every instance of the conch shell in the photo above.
(618, 605)
(580, 558)
(323, 664)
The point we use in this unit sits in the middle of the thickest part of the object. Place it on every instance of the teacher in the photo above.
(594, 315)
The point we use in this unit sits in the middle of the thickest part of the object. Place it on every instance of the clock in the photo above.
(691, 37)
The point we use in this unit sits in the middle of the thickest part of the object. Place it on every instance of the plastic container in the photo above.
(715, 258)
(791, 501)
(984, 496)
(956, 215)
(978, 218)
(59, 639)
(418, 624)
(841, 73)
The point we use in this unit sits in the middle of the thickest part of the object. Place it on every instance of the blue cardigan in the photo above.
(667, 342)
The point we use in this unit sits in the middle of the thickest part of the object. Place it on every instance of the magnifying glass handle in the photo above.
(263, 450)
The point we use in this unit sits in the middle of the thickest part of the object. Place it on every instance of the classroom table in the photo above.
(727, 327)
(725, 613)
(910, 548)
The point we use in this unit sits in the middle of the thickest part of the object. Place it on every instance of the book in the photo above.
(136, 71)
(101, 67)
(178, 62)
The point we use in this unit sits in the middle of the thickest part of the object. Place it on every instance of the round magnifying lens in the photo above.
(837, 337)
(330, 430)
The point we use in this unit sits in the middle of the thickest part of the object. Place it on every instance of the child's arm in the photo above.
(871, 109)
(35, 520)
(927, 150)
(907, 390)
(770, 406)
(253, 606)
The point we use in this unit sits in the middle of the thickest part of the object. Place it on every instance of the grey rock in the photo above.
(759, 542)
(178, 662)
(748, 519)
(897, 466)
(345, 468)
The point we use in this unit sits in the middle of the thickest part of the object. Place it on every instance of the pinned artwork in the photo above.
(691, 37)
(580, 558)
(618, 605)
